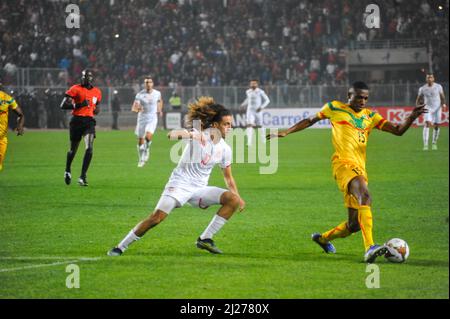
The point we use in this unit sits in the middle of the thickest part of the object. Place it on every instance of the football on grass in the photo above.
(398, 250)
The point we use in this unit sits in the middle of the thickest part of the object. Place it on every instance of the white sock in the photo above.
(426, 135)
(147, 146)
(435, 135)
(214, 226)
(141, 151)
(249, 135)
(128, 240)
(262, 136)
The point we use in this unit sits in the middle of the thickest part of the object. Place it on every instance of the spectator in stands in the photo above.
(207, 41)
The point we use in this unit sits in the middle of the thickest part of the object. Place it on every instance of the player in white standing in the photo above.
(434, 99)
(189, 180)
(148, 104)
(255, 105)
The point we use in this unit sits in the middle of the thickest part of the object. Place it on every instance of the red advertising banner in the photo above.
(397, 114)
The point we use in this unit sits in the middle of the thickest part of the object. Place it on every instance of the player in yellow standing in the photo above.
(351, 125)
(8, 103)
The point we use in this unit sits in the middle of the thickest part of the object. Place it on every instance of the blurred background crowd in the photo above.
(210, 42)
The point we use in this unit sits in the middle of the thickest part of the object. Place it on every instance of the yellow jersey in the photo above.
(350, 131)
(6, 103)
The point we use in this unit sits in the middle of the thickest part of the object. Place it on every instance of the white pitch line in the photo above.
(47, 257)
(49, 265)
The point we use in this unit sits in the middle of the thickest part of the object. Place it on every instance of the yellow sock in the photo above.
(339, 231)
(365, 222)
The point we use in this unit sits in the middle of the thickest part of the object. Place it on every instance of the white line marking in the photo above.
(47, 257)
(45, 265)
(38, 266)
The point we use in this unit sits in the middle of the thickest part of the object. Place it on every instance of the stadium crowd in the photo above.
(41, 109)
(209, 42)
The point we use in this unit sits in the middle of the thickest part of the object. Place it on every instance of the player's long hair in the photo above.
(207, 111)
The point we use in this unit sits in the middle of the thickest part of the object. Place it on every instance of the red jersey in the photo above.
(79, 94)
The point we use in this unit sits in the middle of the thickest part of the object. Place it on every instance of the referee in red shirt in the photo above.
(83, 99)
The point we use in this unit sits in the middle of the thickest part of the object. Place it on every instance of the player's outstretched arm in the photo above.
(20, 120)
(179, 134)
(231, 184)
(400, 129)
(185, 134)
(305, 123)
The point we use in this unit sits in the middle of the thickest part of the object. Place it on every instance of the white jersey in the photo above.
(432, 96)
(198, 160)
(255, 99)
(149, 102)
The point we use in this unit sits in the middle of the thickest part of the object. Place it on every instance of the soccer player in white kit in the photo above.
(189, 180)
(255, 105)
(148, 104)
(433, 95)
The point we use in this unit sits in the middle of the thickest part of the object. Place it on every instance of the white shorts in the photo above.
(197, 197)
(254, 118)
(434, 117)
(143, 127)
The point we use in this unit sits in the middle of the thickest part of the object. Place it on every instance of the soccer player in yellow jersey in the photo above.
(351, 124)
(8, 103)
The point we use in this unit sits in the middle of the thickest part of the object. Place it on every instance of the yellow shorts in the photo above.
(343, 174)
(3, 146)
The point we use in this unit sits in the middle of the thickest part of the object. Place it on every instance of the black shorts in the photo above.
(81, 126)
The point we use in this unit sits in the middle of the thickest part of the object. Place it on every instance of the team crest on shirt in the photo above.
(359, 122)
(94, 100)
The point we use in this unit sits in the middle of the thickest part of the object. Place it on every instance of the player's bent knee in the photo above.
(230, 199)
(234, 201)
(358, 188)
(365, 198)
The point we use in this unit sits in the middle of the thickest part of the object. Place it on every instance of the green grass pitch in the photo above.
(268, 253)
